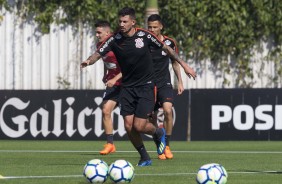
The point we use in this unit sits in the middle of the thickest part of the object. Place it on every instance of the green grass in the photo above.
(245, 162)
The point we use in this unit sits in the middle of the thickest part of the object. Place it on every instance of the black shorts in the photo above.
(112, 93)
(137, 100)
(164, 94)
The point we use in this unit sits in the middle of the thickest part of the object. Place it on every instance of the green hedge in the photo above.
(213, 29)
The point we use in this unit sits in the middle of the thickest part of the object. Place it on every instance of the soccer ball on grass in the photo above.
(96, 171)
(121, 171)
(212, 174)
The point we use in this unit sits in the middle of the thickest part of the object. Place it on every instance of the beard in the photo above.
(126, 31)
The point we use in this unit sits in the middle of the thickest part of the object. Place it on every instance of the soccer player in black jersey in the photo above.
(131, 47)
(163, 80)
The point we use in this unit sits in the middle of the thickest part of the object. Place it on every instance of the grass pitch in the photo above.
(45, 162)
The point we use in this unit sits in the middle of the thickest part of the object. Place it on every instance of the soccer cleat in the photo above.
(161, 144)
(162, 157)
(168, 153)
(108, 148)
(143, 163)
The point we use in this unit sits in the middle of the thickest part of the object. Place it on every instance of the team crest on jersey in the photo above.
(141, 33)
(118, 36)
(167, 42)
(139, 43)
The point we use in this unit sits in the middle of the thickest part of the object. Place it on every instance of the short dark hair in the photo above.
(155, 17)
(127, 11)
(102, 23)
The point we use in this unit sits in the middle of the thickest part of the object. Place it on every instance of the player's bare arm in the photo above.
(177, 72)
(188, 70)
(91, 60)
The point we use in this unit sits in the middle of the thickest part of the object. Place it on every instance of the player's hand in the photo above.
(110, 83)
(180, 89)
(190, 72)
(84, 64)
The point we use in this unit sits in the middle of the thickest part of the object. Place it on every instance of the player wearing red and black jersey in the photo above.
(112, 68)
(165, 95)
(131, 47)
(112, 80)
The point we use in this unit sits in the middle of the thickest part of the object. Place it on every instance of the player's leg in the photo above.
(153, 118)
(144, 108)
(165, 97)
(168, 124)
(108, 107)
(128, 106)
(136, 139)
(110, 99)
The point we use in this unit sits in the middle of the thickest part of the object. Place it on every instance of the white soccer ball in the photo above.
(96, 171)
(121, 171)
(212, 174)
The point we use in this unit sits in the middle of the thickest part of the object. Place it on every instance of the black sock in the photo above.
(158, 133)
(143, 152)
(167, 139)
(110, 138)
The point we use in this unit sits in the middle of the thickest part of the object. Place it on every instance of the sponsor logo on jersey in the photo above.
(106, 44)
(167, 42)
(154, 40)
(118, 36)
(141, 33)
(139, 43)
(110, 65)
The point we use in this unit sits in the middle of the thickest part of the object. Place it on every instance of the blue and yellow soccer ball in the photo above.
(96, 171)
(212, 174)
(121, 171)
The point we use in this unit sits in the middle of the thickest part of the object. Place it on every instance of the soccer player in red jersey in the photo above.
(131, 47)
(112, 80)
(163, 80)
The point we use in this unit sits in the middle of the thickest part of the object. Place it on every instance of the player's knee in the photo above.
(127, 128)
(106, 112)
(168, 112)
(138, 127)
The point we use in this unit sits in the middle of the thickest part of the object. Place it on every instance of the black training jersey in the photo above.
(133, 55)
(161, 62)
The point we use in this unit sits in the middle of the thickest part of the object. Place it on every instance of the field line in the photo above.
(175, 151)
(156, 174)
